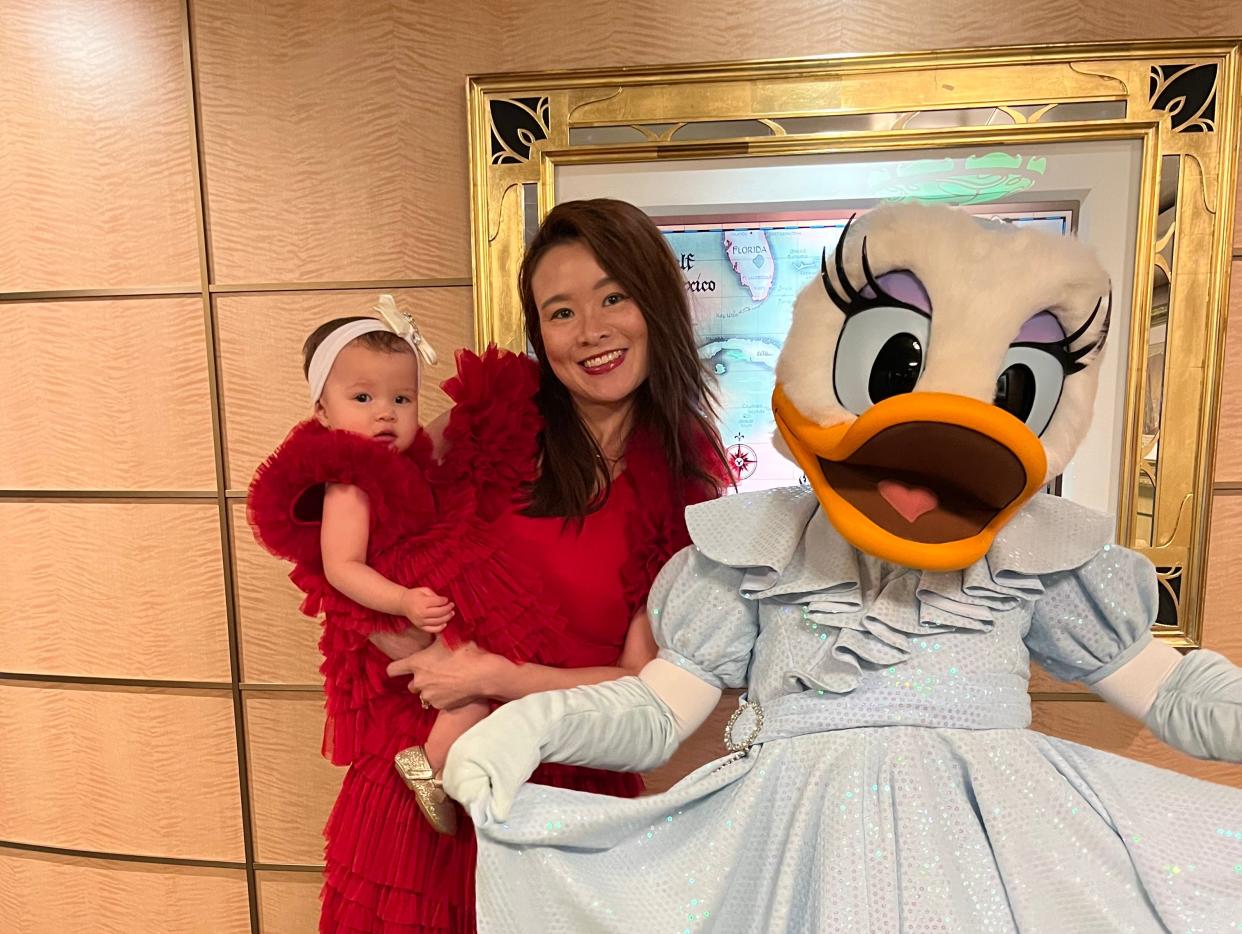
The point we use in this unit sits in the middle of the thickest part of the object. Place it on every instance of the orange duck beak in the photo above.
(922, 479)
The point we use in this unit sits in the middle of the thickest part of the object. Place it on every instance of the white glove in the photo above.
(1198, 708)
(626, 725)
(1192, 702)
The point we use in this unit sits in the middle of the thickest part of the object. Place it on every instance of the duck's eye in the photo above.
(1029, 386)
(880, 353)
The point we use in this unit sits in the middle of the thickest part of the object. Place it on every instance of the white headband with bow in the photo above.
(391, 319)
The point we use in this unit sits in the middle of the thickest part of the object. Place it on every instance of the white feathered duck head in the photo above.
(937, 374)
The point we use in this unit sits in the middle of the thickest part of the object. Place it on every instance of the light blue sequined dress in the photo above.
(894, 785)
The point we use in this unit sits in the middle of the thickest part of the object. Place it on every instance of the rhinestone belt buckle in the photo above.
(733, 745)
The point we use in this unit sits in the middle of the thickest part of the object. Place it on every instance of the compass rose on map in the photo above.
(742, 461)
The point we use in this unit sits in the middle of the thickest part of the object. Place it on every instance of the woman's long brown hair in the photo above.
(676, 402)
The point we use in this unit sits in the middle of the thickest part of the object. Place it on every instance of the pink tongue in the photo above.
(911, 502)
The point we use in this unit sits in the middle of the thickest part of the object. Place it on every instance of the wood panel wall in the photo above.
(187, 188)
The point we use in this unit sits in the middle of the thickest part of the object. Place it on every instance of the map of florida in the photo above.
(751, 258)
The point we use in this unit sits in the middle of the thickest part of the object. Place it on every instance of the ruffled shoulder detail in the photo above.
(753, 530)
(1048, 535)
(492, 435)
(856, 611)
(285, 502)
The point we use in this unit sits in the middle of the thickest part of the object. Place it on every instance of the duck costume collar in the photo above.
(937, 375)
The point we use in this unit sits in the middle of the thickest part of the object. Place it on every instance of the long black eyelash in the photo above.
(1072, 361)
(839, 258)
(854, 301)
(1075, 360)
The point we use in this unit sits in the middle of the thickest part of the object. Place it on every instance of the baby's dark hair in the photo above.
(384, 341)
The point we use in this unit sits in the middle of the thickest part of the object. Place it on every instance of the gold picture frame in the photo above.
(1176, 101)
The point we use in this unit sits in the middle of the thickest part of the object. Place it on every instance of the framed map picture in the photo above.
(783, 207)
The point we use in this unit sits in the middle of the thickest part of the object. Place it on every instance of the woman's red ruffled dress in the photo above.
(531, 589)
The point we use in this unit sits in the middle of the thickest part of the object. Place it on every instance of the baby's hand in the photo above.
(426, 609)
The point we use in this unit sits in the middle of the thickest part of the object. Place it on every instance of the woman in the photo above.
(585, 459)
